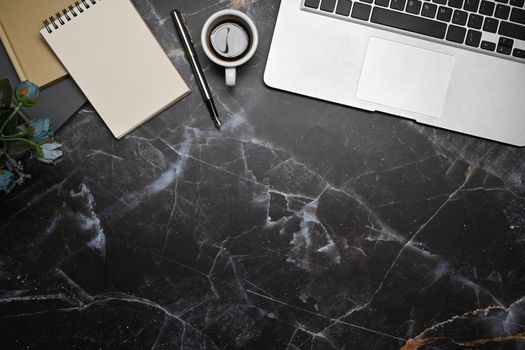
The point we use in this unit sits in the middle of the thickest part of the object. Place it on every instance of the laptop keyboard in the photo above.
(488, 26)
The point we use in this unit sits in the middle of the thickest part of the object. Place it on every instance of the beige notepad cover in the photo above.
(117, 62)
(20, 24)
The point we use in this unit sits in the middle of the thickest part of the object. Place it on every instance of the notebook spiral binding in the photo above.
(68, 14)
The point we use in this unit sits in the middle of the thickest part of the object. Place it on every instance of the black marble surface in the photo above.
(301, 225)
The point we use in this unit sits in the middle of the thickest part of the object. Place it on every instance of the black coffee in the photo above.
(230, 40)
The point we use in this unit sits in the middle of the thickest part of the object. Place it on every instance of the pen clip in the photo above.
(186, 27)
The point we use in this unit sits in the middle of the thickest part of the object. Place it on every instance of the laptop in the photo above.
(452, 64)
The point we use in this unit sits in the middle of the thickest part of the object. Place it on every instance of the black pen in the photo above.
(187, 42)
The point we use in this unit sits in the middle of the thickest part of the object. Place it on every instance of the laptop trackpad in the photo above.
(405, 77)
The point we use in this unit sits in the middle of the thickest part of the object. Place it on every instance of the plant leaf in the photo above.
(17, 148)
(6, 93)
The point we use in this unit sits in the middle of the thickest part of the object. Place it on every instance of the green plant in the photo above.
(19, 138)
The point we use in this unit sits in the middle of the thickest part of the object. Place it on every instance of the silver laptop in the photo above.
(453, 64)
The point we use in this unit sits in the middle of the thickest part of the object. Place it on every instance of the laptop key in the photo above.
(459, 17)
(367, 1)
(487, 45)
(518, 53)
(471, 5)
(505, 46)
(398, 4)
(518, 3)
(475, 21)
(444, 13)
(502, 11)
(413, 6)
(456, 34)
(512, 30)
(328, 5)
(503, 1)
(429, 10)
(487, 8)
(441, 2)
(409, 23)
(312, 3)
(343, 7)
(505, 42)
(490, 25)
(517, 15)
(382, 3)
(473, 38)
(455, 3)
(361, 11)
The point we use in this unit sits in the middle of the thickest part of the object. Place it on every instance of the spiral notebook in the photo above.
(114, 58)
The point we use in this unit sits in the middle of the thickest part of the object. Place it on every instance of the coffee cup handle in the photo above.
(231, 76)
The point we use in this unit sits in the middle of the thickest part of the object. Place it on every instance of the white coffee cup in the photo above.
(229, 38)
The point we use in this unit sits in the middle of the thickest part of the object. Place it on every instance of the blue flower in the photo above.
(40, 130)
(7, 180)
(27, 93)
(51, 153)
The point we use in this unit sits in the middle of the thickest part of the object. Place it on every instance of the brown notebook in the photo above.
(20, 24)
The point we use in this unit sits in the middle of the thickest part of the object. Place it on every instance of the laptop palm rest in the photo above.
(405, 77)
